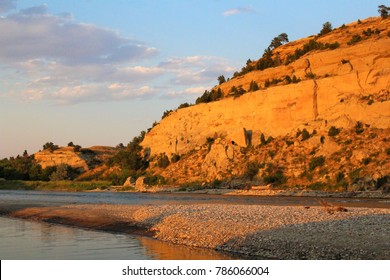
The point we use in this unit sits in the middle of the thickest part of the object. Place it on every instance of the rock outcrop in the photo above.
(84, 159)
(351, 84)
(259, 135)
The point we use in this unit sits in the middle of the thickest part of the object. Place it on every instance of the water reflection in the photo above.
(164, 251)
(20, 239)
(59, 198)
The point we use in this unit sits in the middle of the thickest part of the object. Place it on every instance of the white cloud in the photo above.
(6, 5)
(36, 10)
(188, 92)
(57, 59)
(196, 69)
(183, 62)
(33, 34)
(239, 10)
(83, 93)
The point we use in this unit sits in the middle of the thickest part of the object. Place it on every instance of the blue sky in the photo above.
(98, 72)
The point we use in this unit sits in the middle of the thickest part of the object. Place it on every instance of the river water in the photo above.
(21, 239)
(60, 198)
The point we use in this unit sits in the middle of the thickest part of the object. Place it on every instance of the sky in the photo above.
(98, 72)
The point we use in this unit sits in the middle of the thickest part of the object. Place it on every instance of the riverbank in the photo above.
(105, 186)
(255, 231)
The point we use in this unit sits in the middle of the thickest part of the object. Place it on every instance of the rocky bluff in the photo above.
(344, 87)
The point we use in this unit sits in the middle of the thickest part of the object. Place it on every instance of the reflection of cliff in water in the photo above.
(165, 251)
(26, 240)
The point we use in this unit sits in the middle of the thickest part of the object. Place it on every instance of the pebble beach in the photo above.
(250, 231)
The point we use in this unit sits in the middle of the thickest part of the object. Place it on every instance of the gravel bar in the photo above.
(252, 231)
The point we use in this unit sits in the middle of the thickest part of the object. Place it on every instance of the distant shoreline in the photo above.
(253, 231)
(104, 186)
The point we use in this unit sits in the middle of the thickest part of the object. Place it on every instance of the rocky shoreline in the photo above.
(253, 231)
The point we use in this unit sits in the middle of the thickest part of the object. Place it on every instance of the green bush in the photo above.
(305, 134)
(295, 80)
(317, 186)
(354, 175)
(359, 128)
(252, 169)
(340, 180)
(326, 28)
(366, 160)
(221, 79)
(175, 158)
(278, 41)
(265, 142)
(184, 105)
(383, 11)
(166, 114)
(316, 162)
(156, 180)
(163, 161)
(308, 47)
(333, 131)
(253, 86)
(355, 39)
(50, 146)
(383, 183)
(310, 75)
(130, 157)
(276, 178)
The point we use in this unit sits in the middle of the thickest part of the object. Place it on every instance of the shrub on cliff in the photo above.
(333, 131)
(181, 106)
(130, 157)
(305, 134)
(221, 79)
(274, 175)
(62, 172)
(166, 114)
(326, 28)
(278, 41)
(383, 11)
(163, 161)
(355, 39)
(175, 158)
(209, 96)
(276, 178)
(252, 169)
(50, 146)
(316, 162)
(253, 86)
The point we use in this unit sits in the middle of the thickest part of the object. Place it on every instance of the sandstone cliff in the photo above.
(346, 79)
(84, 160)
(346, 87)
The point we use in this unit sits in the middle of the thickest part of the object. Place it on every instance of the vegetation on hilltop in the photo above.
(26, 168)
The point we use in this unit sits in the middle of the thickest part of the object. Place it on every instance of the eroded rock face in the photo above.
(347, 78)
(85, 159)
(64, 155)
(218, 160)
(141, 184)
(130, 181)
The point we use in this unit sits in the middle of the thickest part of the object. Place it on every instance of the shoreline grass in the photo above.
(69, 186)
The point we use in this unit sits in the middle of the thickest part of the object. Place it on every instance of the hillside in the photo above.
(345, 87)
(88, 163)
